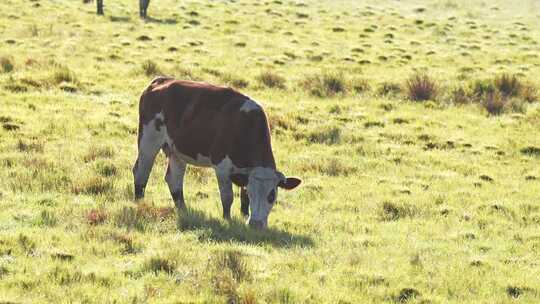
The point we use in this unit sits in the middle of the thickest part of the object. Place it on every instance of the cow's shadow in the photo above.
(218, 230)
(160, 21)
(123, 19)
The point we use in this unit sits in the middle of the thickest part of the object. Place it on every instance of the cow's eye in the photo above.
(272, 196)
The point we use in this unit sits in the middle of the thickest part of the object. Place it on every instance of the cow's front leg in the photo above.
(226, 193)
(175, 179)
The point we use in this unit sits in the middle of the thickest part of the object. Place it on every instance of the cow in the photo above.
(205, 125)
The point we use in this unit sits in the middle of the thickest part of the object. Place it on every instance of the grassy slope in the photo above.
(395, 195)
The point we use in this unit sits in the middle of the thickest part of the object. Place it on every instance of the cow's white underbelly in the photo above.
(201, 161)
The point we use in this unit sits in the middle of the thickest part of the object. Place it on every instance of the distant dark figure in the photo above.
(99, 7)
(143, 7)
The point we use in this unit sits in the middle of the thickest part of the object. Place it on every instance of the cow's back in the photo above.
(174, 97)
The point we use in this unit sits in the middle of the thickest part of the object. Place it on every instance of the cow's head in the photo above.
(262, 187)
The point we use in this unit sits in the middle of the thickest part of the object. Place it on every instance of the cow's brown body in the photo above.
(206, 120)
(205, 125)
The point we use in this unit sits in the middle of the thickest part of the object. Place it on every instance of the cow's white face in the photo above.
(262, 187)
(262, 191)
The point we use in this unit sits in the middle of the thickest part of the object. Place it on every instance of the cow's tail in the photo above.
(159, 80)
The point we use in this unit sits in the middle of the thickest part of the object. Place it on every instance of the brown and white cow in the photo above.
(209, 126)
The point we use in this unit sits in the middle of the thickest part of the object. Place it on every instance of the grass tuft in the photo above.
(421, 87)
(6, 65)
(127, 243)
(233, 261)
(97, 152)
(228, 269)
(335, 167)
(26, 244)
(46, 218)
(16, 87)
(325, 85)
(529, 93)
(32, 146)
(4, 271)
(271, 80)
(93, 185)
(141, 216)
(386, 89)
(494, 103)
(63, 74)
(504, 93)
(481, 88)
(159, 265)
(150, 68)
(96, 217)
(327, 136)
(360, 85)
(508, 85)
(394, 211)
(106, 168)
(531, 151)
(459, 96)
(234, 81)
(406, 294)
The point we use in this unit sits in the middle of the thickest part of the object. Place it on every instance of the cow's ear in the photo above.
(239, 179)
(290, 183)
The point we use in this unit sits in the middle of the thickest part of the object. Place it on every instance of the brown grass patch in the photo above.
(96, 217)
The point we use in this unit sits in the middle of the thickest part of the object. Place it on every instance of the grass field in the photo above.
(433, 201)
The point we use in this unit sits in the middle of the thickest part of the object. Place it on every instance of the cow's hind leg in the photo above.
(244, 202)
(151, 139)
(175, 179)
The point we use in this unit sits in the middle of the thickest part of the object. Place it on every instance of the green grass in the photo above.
(431, 201)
